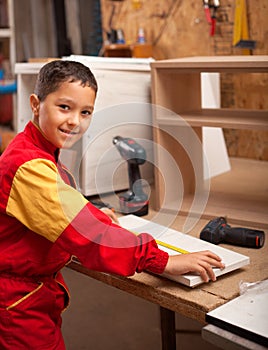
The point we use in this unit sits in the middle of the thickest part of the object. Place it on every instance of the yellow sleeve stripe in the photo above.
(41, 200)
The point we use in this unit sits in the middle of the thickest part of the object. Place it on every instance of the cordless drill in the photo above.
(218, 231)
(134, 201)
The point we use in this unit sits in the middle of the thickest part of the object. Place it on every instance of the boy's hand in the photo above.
(111, 215)
(200, 262)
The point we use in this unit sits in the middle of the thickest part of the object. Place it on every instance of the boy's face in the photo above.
(65, 114)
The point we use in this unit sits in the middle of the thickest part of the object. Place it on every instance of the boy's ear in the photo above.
(35, 104)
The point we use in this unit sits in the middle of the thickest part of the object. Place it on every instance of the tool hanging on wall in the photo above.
(136, 4)
(240, 34)
(111, 32)
(210, 8)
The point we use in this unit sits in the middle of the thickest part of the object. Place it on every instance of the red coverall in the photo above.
(43, 223)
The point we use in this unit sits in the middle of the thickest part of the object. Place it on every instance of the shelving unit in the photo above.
(8, 84)
(178, 121)
(9, 33)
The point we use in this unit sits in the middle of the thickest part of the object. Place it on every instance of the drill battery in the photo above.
(133, 205)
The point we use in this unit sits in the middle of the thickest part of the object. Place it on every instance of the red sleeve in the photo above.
(103, 246)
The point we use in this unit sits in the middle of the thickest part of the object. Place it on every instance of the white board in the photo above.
(213, 139)
(245, 315)
(232, 260)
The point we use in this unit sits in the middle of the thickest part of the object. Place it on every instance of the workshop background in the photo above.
(101, 317)
(180, 29)
(174, 28)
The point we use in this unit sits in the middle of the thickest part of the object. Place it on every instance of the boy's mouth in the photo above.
(68, 132)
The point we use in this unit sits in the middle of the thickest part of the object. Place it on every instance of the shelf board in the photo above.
(234, 64)
(28, 68)
(225, 118)
(5, 33)
(239, 210)
(241, 195)
(250, 217)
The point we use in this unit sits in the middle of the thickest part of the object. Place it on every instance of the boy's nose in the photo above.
(74, 119)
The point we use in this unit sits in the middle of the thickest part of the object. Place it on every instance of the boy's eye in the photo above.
(65, 107)
(86, 113)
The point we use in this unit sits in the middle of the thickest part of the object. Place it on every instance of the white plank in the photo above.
(245, 315)
(232, 260)
(213, 139)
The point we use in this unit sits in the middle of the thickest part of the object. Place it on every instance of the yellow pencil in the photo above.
(167, 245)
(172, 247)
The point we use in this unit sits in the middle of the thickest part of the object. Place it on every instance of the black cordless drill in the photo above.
(218, 231)
(134, 201)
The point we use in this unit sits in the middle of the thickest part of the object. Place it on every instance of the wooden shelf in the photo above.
(224, 118)
(9, 34)
(231, 196)
(5, 33)
(235, 64)
(129, 50)
(176, 91)
(117, 50)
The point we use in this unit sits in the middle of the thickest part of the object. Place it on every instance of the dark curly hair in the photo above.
(54, 73)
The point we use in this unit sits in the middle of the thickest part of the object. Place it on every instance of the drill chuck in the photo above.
(130, 150)
(218, 231)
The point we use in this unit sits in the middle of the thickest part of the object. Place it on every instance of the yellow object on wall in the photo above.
(240, 34)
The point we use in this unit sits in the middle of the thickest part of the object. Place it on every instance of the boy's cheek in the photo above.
(69, 143)
(82, 129)
(85, 125)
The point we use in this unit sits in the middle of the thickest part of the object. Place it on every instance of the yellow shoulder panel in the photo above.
(41, 200)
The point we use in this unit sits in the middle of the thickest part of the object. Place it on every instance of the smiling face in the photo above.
(65, 114)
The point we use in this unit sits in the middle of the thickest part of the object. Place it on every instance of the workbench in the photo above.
(176, 298)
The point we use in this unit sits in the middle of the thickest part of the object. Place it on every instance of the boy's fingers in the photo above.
(216, 263)
(111, 215)
(207, 262)
(213, 259)
(207, 272)
(211, 255)
(114, 218)
(204, 275)
(211, 273)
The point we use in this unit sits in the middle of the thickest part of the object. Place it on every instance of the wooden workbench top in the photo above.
(192, 303)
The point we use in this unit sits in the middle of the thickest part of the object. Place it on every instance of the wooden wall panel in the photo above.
(178, 28)
(173, 27)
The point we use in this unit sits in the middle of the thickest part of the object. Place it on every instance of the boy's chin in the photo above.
(70, 143)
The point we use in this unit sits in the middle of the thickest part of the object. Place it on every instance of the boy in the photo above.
(44, 221)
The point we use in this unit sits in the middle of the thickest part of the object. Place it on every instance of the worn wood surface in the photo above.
(193, 303)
